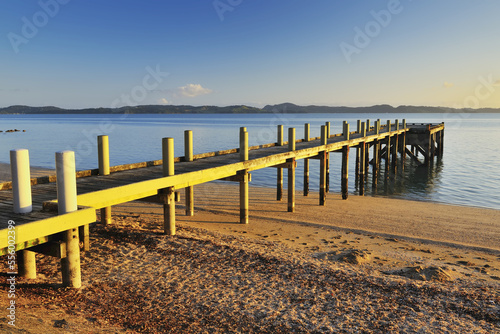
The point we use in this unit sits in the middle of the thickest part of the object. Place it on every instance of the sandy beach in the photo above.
(368, 264)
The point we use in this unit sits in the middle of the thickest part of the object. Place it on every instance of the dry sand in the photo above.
(362, 265)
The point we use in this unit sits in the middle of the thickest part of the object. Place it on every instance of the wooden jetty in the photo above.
(45, 231)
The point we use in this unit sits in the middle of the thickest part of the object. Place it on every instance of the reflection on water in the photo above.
(416, 182)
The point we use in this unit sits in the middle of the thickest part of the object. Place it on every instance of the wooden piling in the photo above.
(188, 157)
(388, 148)
(307, 136)
(245, 176)
(327, 179)
(376, 164)
(367, 151)
(403, 143)
(168, 195)
(66, 200)
(322, 168)
(26, 264)
(103, 159)
(428, 154)
(345, 164)
(358, 153)
(291, 171)
(362, 149)
(395, 146)
(440, 142)
(279, 179)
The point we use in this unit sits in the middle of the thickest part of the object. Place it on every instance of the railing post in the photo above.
(21, 181)
(103, 159)
(279, 179)
(244, 174)
(291, 171)
(188, 156)
(22, 203)
(66, 200)
(168, 194)
(327, 179)
(243, 144)
(307, 136)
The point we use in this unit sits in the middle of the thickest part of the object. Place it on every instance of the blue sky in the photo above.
(77, 54)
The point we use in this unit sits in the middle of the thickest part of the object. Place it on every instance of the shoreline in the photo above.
(5, 176)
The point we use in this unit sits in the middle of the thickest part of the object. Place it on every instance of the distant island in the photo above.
(240, 109)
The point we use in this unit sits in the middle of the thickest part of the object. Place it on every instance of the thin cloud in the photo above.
(497, 83)
(448, 84)
(192, 90)
(163, 101)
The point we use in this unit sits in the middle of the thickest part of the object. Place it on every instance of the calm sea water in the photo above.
(468, 174)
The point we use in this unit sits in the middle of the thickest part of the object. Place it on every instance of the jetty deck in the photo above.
(41, 229)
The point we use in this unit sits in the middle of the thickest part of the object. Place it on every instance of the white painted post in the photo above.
(66, 199)
(22, 202)
(21, 183)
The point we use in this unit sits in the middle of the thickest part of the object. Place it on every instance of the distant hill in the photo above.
(145, 109)
(379, 109)
(239, 109)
